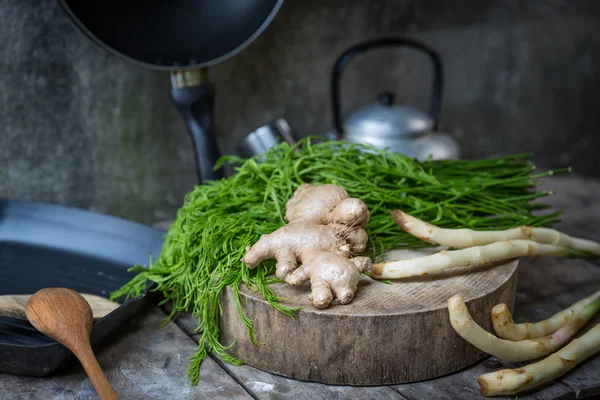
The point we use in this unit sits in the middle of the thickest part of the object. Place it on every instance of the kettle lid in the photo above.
(386, 120)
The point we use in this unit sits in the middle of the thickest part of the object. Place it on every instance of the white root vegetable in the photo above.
(446, 259)
(507, 329)
(512, 381)
(468, 329)
(463, 238)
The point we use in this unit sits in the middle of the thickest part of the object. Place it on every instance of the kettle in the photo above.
(385, 124)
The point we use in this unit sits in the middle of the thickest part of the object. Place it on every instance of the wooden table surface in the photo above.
(145, 362)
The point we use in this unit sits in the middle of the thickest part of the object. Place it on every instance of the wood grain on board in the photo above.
(378, 338)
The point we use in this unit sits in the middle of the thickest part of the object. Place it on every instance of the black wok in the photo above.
(183, 37)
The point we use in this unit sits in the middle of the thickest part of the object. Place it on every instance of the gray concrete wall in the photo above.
(82, 127)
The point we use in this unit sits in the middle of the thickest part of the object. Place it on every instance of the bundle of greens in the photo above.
(219, 219)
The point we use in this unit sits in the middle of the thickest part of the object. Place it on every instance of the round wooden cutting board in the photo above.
(389, 334)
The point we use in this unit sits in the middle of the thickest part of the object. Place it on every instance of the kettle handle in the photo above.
(346, 57)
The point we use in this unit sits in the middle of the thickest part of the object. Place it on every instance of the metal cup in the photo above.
(265, 137)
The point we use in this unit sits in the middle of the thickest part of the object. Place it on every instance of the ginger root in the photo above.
(325, 229)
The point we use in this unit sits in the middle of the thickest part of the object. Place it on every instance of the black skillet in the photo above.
(183, 37)
(44, 245)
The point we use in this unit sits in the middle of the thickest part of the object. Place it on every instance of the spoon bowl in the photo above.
(65, 316)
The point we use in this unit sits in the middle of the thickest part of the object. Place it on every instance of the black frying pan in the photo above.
(43, 245)
(183, 37)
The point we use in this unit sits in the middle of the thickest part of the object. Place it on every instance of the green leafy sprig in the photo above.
(201, 254)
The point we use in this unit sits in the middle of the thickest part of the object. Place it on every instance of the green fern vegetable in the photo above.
(202, 250)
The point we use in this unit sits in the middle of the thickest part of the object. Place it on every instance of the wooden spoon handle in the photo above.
(92, 368)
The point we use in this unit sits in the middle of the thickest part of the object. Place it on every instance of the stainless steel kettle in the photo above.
(385, 124)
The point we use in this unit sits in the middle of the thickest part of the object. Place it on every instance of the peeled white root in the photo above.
(463, 324)
(507, 329)
(447, 259)
(512, 381)
(462, 238)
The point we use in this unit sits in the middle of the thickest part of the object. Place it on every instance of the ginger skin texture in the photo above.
(325, 227)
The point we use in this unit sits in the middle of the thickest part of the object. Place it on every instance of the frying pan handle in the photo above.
(343, 60)
(195, 104)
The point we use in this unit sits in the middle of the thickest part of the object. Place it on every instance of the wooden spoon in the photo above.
(65, 316)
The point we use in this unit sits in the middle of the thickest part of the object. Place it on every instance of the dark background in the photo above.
(83, 128)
